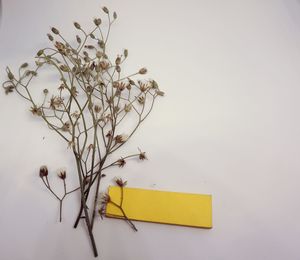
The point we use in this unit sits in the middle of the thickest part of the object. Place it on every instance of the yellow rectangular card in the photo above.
(175, 208)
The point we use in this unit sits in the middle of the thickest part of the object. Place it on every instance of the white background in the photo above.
(228, 126)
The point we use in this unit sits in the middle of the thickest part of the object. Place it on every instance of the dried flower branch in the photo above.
(106, 199)
(91, 106)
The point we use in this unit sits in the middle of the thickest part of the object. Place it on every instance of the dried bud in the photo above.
(109, 134)
(118, 69)
(102, 211)
(131, 82)
(105, 9)
(64, 68)
(104, 65)
(97, 21)
(77, 25)
(24, 65)
(10, 75)
(105, 198)
(90, 147)
(54, 30)
(127, 108)
(116, 84)
(154, 84)
(141, 100)
(99, 54)
(45, 91)
(40, 52)
(143, 71)
(66, 127)
(97, 108)
(90, 47)
(118, 61)
(101, 44)
(62, 174)
(160, 93)
(115, 15)
(125, 53)
(78, 39)
(50, 37)
(43, 171)
(120, 182)
(121, 163)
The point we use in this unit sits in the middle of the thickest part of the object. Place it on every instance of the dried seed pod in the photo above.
(115, 15)
(118, 69)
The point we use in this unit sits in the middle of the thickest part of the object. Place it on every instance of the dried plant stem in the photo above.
(88, 108)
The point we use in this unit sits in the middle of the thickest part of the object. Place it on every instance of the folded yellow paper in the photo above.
(176, 208)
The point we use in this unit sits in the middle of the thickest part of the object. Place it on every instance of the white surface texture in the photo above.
(228, 126)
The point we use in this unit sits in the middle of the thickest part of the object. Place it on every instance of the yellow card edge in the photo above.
(165, 223)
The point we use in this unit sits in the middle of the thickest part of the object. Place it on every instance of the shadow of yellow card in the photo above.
(185, 209)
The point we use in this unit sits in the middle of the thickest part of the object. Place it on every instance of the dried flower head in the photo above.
(62, 174)
(105, 198)
(43, 171)
(121, 138)
(9, 89)
(37, 111)
(142, 156)
(121, 162)
(120, 182)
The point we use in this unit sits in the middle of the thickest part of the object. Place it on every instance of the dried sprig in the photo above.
(90, 107)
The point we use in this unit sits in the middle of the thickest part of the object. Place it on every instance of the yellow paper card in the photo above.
(176, 208)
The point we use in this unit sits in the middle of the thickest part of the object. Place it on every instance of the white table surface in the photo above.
(229, 126)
